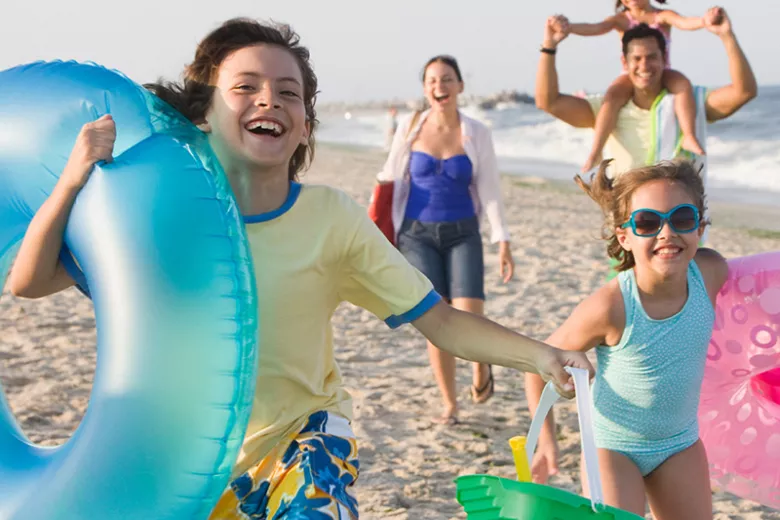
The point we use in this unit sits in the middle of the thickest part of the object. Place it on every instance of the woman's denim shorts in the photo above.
(448, 253)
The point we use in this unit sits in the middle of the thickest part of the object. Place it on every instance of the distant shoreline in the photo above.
(483, 101)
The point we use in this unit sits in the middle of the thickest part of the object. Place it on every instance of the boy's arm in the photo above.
(476, 338)
(37, 271)
(684, 23)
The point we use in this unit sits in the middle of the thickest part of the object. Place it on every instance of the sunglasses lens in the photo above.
(684, 219)
(647, 223)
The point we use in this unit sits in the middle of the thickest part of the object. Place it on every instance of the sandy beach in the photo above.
(47, 350)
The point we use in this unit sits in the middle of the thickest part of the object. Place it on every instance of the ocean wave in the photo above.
(743, 151)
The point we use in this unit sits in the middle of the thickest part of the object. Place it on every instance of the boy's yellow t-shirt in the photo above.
(318, 250)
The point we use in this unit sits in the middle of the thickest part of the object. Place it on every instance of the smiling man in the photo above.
(630, 143)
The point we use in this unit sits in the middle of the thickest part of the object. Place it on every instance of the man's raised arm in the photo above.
(723, 102)
(569, 109)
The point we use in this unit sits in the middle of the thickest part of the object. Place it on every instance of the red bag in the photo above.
(380, 209)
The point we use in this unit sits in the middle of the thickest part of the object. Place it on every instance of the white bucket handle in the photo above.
(584, 407)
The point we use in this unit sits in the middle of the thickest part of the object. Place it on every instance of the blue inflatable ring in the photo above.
(156, 239)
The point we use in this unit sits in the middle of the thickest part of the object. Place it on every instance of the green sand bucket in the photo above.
(485, 497)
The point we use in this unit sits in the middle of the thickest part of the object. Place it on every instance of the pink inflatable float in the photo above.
(739, 415)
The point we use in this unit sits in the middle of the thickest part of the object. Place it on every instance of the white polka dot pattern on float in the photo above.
(739, 412)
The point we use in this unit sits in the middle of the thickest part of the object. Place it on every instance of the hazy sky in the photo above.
(366, 49)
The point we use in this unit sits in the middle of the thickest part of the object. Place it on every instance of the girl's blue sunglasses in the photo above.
(649, 222)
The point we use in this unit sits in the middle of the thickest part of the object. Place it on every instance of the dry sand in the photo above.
(47, 351)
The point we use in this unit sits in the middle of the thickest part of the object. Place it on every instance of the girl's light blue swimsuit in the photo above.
(647, 387)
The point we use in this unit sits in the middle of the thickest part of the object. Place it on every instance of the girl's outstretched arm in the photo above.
(597, 320)
(595, 29)
(714, 269)
(684, 23)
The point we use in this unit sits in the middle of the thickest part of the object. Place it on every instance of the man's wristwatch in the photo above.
(547, 50)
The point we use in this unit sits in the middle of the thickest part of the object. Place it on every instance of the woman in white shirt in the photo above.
(444, 169)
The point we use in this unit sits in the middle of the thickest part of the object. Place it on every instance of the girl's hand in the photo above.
(555, 30)
(550, 365)
(717, 21)
(94, 143)
(506, 263)
(545, 461)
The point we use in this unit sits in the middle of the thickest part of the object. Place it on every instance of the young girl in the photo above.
(631, 13)
(651, 327)
(251, 87)
(452, 180)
